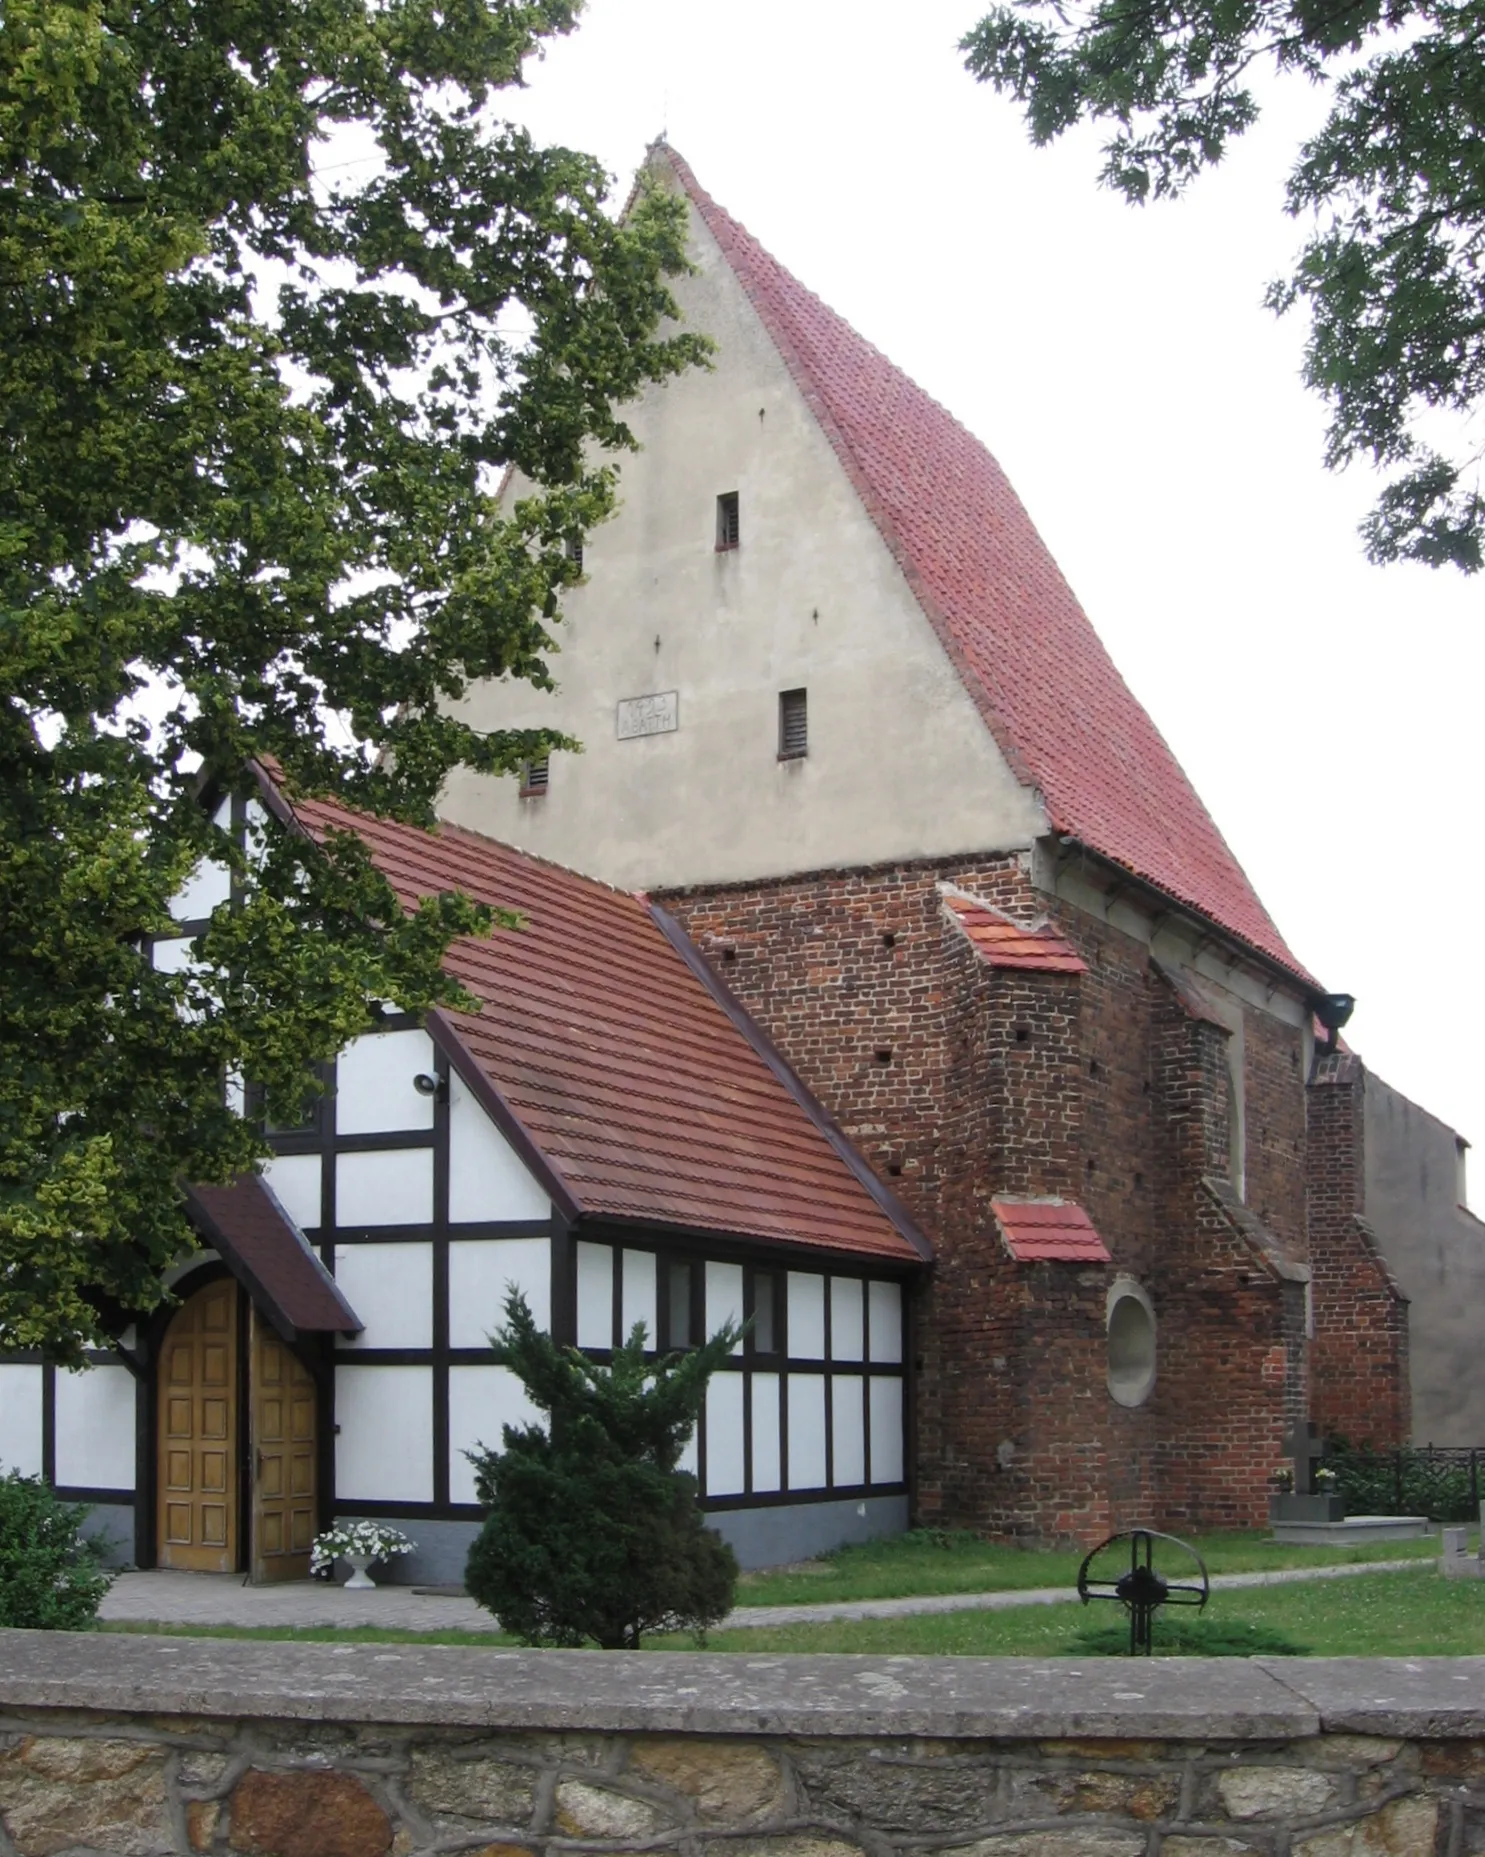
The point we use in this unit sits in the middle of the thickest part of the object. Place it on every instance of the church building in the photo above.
(845, 721)
(883, 982)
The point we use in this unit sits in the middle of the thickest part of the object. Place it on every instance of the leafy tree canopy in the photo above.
(253, 400)
(1394, 182)
(593, 1532)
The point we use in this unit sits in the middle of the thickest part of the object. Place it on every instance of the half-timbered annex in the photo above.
(609, 1133)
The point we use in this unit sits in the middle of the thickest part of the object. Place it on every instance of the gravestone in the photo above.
(1302, 1445)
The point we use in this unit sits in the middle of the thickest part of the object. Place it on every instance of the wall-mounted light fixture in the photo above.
(436, 1087)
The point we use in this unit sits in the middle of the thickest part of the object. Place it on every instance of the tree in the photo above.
(593, 1531)
(252, 412)
(1395, 182)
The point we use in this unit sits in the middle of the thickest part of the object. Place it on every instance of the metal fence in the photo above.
(1439, 1481)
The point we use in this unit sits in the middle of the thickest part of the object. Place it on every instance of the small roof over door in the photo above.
(272, 1259)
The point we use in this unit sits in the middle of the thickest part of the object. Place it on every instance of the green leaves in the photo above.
(594, 1533)
(1394, 186)
(252, 419)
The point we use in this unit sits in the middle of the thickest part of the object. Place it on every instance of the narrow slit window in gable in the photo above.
(794, 727)
(536, 777)
(729, 524)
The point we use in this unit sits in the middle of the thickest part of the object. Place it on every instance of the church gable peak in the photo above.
(1059, 711)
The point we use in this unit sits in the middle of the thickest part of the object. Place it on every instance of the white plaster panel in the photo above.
(690, 1457)
(487, 1180)
(847, 1319)
(296, 1182)
(724, 1435)
(482, 1402)
(884, 1321)
(384, 1186)
(806, 1316)
(806, 1411)
(95, 1428)
(172, 957)
(765, 1432)
(222, 817)
(374, 1083)
(724, 1298)
(20, 1419)
(886, 1428)
(480, 1270)
(209, 884)
(390, 1286)
(384, 1434)
(595, 1295)
(639, 1294)
(848, 1429)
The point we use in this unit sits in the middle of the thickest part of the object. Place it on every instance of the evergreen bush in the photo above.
(50, 1577)
(594, 1533)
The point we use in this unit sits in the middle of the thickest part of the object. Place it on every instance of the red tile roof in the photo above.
(1049, 1230)
(628, 1079)
(1004, 942)
(261, 1245)
(1059, 710)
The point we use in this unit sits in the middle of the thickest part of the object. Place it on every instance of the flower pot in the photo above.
(360, 1580)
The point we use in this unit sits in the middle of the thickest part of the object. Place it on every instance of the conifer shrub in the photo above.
(594, 1534)
(50, 1576)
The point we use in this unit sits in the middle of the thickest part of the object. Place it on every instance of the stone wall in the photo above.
(171, 1748)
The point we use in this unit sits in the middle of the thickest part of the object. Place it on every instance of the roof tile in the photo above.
(1049, 1231)
(623, 1069)
(1003, 942)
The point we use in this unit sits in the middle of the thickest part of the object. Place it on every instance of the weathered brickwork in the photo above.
(179, 1787)
(1360, 1359)
(961, 1082)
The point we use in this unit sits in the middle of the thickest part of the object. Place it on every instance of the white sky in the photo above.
(1148, 409)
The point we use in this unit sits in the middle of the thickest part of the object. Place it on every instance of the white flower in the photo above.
(373, 1540)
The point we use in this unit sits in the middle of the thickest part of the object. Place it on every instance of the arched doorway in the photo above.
(236, 1442)
(199, 1464)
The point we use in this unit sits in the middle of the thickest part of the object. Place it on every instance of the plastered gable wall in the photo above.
(900, 764)
(1436, 1250)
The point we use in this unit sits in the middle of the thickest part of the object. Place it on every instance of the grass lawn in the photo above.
(943, 1561)
(1413, 1613)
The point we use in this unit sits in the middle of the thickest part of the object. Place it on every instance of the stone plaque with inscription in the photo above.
(649, 715)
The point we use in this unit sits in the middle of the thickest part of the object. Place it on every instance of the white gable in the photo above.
(900, 763)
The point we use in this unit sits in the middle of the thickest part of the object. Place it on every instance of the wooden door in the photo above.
(281, 1408)
(197, 1442)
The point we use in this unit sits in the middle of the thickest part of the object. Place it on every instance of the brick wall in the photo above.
(958, 1082)
(1360, 1349)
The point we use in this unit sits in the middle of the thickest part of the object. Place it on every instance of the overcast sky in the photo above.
(1121, 366)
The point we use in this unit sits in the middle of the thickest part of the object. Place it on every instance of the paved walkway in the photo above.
(168, 1598)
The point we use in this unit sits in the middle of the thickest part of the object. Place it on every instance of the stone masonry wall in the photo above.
(1023, 1761)
(960, 1082)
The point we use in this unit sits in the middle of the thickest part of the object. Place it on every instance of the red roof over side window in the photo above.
(1040, 1231)
(1049, 692)
(1003, 942)
(628, 1074)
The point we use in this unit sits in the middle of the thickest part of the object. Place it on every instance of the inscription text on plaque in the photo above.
(649, 715)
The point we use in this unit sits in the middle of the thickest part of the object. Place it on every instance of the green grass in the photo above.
(1413, 1613)
(944, 1561)
(1371, 1615)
